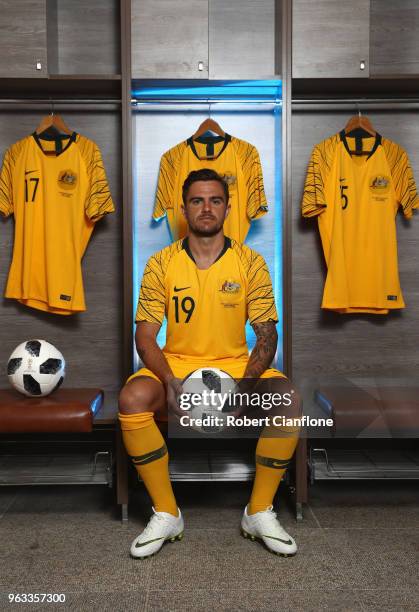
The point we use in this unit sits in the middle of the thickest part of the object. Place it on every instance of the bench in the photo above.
(69, 437)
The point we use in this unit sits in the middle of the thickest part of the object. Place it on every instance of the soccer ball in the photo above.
(214, 386)
(36, 368)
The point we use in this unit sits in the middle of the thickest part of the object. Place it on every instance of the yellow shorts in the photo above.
(182, 368)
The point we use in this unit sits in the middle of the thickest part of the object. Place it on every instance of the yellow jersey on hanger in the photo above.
(236, 287)
(56, 189)
(356, 198)
(235, 160)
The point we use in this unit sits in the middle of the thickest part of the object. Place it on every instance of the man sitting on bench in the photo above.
(186, 283)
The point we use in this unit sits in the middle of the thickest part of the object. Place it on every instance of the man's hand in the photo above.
(154, 359)
(173, 391)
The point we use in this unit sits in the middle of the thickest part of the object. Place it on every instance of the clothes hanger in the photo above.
(359, 122)
(53, 121)
(209, 125)
(359, 127)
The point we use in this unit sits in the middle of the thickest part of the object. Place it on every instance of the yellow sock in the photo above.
(148, 451)
(273, 455)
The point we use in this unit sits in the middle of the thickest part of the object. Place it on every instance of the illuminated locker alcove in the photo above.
(167, 113)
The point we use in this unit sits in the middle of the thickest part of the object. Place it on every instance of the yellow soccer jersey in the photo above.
(234, 159)
(206, 310)
(56, 189)
(356, 199)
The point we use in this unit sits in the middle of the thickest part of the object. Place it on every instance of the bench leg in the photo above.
(121, 474)
(301, 494)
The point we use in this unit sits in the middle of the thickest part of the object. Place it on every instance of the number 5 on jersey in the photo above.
(343, 196)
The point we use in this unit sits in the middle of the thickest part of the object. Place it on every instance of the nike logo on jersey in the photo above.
(176, 289)
(30, 171)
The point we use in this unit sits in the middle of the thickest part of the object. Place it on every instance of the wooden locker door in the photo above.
(242, 39)
(23, 38)
(170, 39)
(394, 38)
(330, 38)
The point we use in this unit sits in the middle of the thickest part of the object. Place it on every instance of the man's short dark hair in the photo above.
(205, 174)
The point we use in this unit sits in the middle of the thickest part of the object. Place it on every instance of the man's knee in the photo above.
(138, 396)
(283, 398)
(286, 414)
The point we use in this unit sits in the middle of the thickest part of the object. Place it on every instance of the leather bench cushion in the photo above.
(65, 410)
(400, 407)
(376, 411)
(352, 409)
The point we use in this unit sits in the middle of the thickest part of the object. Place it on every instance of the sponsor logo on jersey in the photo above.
(67, 179)
(380, 184)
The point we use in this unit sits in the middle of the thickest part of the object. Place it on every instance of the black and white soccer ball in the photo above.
(215, 387)
(36, 368)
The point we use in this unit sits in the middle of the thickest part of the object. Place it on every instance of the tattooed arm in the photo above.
(264, 350)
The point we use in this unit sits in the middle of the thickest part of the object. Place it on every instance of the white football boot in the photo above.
(161, 527)
(266, 527)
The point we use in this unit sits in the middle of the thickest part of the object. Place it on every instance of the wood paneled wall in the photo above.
(324, 342)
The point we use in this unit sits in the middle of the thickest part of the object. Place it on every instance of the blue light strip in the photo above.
(135, 248)
(278, 272)
(228, 90)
